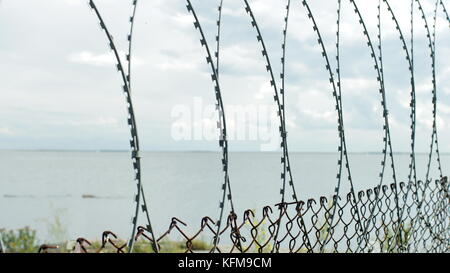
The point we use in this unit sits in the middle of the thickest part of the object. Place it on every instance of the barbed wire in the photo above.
(286, 170)
(434, 96)
(409, 58)
(381, 68)
(434, 135)
(134, 141)
(338, 72)
(387, 143)
(386, 218)
(223, 142)
(445, 11)
(285, 159)
(342, 148)
(219, 28)
(434, 139)
(279, 104)
(337, 94)
(438, 158)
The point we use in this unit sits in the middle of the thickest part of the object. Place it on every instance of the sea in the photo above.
(64, 195)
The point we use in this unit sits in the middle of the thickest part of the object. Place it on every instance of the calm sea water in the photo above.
(89, 192)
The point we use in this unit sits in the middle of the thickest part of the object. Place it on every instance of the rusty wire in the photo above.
(306, 226)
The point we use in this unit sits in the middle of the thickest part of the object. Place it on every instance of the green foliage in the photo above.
(142, 246)
(201, 244)
(24, 240)
(262, 236)
(169, 246)
(323, 227)
(398, 244)
(56, 229)
(20, 241)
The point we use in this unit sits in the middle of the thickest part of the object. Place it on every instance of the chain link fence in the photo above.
(306, 226)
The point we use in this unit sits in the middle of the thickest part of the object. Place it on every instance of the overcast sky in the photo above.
(60, 90)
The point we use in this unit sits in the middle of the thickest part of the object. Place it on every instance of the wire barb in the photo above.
(223, 142)
(134, 142)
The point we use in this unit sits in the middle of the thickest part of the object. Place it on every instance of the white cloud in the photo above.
(265, 91)
(183, 20)
(89, 58)
(99, 121)
(320, 116)
(176, 64)
(359, 86)
(73, 2)
(171, 65)
(101, 59)
(6, 131)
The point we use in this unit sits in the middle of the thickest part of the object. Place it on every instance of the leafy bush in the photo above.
(23, 240)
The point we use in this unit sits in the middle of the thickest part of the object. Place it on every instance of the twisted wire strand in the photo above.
(219, 29)
(285, 160)
(412, 166)
(279, 106)
(410, 60)
(434, 139)
(223, 142)
(417, 184)
(395, 184)
(144, 207)
(445, 10)
(431, 45)
(338, 73)
(134, 142)
(387, 142)
(277, 100)
(381, 68)
(342, 148)
(434, 136)
(217, 55)
(130, 39)
(435, 83)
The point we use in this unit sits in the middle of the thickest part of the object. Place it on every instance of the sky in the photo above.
(60, 88)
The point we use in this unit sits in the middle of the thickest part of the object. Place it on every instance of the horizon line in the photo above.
(195, 151)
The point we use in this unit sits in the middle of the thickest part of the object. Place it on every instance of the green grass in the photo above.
(24, 240)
